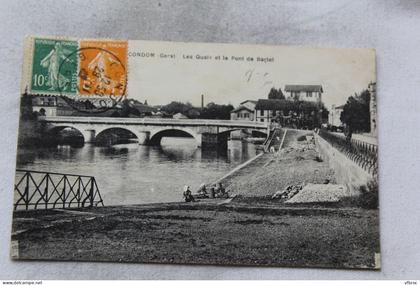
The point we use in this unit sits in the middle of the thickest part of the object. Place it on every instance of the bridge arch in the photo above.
(101, 129)
(52, 134)
(157, 135)
(115, 134)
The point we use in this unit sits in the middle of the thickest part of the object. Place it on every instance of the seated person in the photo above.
(188, 197)
(212, 191)
(221, 191)
(202, 189)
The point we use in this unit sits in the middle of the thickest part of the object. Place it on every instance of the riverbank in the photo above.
(250, 229)
(202, 233)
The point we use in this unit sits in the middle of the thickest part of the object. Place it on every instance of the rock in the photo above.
(319, 193)
(278, 194)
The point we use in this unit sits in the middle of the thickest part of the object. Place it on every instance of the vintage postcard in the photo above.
(196, 153)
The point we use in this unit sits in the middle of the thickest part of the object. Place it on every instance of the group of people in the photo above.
(215, 191)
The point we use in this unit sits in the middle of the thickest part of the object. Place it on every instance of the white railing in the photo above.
(154, 121)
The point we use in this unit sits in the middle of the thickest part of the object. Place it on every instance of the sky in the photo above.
(175, 73)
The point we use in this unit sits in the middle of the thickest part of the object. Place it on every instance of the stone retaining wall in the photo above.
(347, 172)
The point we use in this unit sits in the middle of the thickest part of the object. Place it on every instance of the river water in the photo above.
(137, 174)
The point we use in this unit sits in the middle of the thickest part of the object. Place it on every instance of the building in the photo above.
(289, 113)
(267, 109)
(50, 106)
(139, 109)
(245, 111)
(179, 116)
(250, 104)
(242, 113)
(310, 93)
(372, 108)
(334, 116)
(44, 105)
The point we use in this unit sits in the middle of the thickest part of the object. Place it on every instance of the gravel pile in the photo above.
(319, 193)
(287, 193)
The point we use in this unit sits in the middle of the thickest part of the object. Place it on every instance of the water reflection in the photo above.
(132, 173)
(176, 152)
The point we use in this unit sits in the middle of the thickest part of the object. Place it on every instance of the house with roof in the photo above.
(45, 105)
(245, 111)
(250, 104)
(140, 109)
(334, 116)
(268, 109)
(178, 116)
(288, 113)
(51, 105)
(310, 93)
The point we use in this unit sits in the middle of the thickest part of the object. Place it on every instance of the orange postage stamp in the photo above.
(103, 68)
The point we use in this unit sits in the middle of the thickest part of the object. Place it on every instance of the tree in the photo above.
(89, 105)
(356, 113)
(324, 113)
(215, 111)
(26, 111)
(176, 107)
(281, 95)
(127, 109)
(275, 94)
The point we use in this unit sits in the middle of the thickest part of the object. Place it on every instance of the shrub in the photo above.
(318, 159)
(301, 138)
(369, 197)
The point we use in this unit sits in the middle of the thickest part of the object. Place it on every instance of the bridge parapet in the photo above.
(155, 121)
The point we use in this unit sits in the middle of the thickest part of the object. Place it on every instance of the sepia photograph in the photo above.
(197, 153)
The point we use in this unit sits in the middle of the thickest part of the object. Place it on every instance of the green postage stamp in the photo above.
(48, 74)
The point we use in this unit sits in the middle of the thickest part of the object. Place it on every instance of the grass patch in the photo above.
(367, 199)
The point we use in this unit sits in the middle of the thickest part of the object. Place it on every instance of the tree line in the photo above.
(210, 111)
(356, 112)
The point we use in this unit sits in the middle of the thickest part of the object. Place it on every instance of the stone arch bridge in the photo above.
(207, 133)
